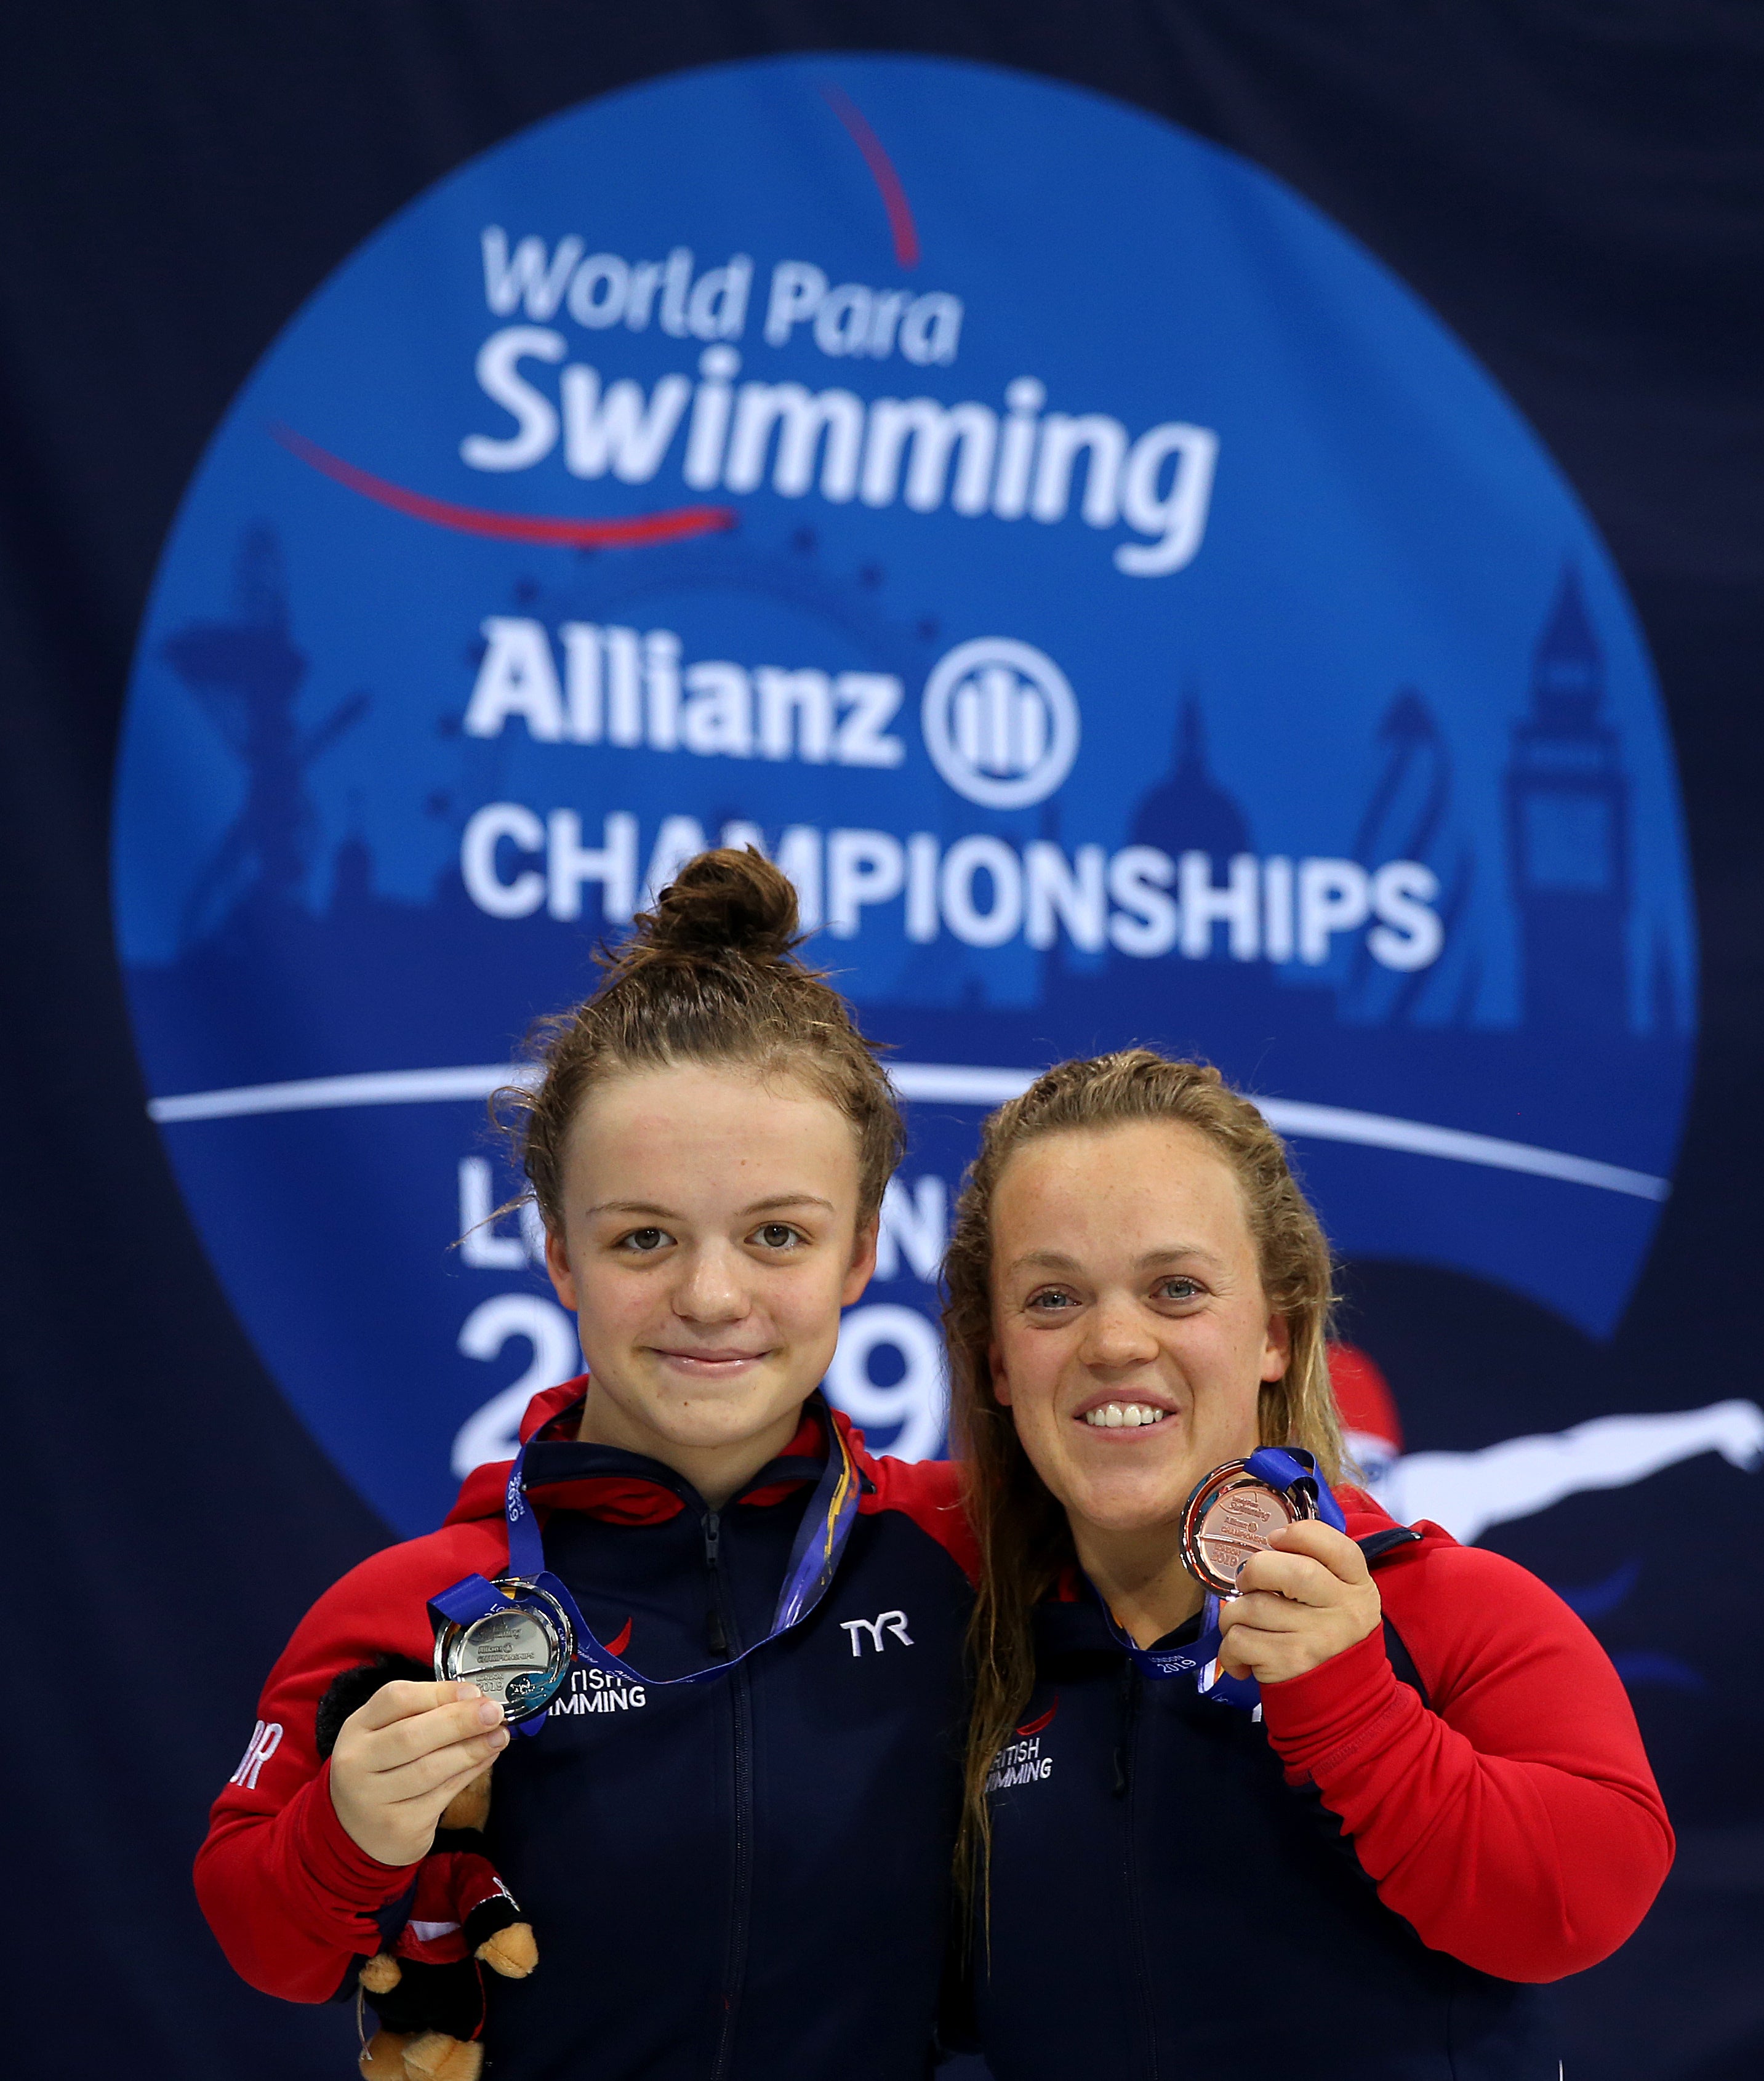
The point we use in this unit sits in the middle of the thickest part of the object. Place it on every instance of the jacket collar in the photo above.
(621, 1487)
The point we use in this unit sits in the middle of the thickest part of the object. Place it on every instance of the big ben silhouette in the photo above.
(1568, 833)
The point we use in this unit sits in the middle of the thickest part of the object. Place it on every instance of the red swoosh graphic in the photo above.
(641, 529)
(894, 201)
(1035, 1726)
(621, 1641)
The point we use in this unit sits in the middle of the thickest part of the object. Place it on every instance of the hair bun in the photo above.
(724, 902)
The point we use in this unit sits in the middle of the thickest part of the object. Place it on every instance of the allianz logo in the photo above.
(1001, 725)
(998, 717)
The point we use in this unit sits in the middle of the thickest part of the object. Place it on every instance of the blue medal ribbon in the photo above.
(1278, 1467)
(1284, 1467)
(814, 1560)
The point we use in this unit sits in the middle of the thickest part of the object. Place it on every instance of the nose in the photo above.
(1117, 1337)
(711, 1288)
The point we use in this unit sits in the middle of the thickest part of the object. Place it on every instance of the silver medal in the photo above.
(519, 1655)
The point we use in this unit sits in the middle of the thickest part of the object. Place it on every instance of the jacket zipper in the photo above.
(1127, 1768)
(723, 1643)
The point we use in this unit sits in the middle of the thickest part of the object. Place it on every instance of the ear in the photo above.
(863, 1265)
(1000, 1380)
(563, 1279)
(1276, 1348)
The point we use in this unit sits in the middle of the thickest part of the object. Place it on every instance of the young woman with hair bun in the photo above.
(743, 1877)
(1343, 1820)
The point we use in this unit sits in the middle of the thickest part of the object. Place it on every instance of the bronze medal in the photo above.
(1231, 1516)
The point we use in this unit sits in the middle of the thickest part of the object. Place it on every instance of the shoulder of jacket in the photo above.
(1466, 1614)
(929, 1493)
(380, 1606)
(1437, 1565)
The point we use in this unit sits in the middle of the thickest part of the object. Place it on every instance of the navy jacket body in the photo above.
(1178, 1889)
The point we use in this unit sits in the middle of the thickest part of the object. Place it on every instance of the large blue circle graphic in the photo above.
(1123, 609)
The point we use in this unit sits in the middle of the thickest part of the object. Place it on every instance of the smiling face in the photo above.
(1131, 1335)
(709, 1239)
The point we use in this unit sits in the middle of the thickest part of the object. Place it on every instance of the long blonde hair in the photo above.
(1025, 1542)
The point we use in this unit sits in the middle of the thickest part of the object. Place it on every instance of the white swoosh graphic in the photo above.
(947, 1083)
(1467, 1492)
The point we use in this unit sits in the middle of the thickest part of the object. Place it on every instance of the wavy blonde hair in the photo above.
(1025, 1542)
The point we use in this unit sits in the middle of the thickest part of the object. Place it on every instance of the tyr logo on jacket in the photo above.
(890, 1622)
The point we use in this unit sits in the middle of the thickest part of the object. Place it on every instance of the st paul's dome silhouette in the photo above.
(1188, 811)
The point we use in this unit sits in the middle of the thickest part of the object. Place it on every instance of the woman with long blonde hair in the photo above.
(1341, 1817)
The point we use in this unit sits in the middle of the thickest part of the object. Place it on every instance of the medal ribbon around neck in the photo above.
(814, 1560)
(1276, 1467)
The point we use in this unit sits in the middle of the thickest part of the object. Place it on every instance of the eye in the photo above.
(778, 1235)
(645, 1242)
(1178, 1287)
(1050, 1301)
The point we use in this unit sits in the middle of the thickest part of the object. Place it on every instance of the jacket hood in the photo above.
(482, 1493)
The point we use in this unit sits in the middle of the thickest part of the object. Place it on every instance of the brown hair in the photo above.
(709, 975)
(1025, 1542)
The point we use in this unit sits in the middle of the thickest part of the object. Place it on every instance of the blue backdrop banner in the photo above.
(1120, 606)
(1228, 526)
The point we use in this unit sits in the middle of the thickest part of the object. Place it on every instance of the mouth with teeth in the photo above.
(1123, 1416)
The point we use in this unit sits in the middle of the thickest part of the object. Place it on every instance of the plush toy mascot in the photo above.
(427, 1989)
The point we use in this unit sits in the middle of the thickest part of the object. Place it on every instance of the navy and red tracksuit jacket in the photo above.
(1367, 1882)
(1372, 1880)
(746, 1878)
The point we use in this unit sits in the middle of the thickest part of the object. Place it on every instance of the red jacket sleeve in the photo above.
(289, 1894)
(1513, 1820)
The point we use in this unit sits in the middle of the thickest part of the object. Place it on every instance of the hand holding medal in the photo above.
(401, 1758)
(1264, 1536)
